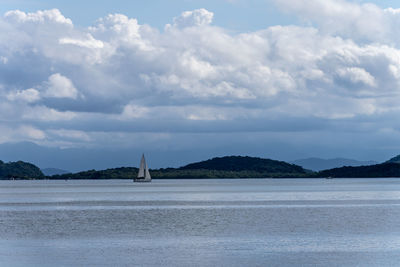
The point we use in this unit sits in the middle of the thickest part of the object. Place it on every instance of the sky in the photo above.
(93, 84)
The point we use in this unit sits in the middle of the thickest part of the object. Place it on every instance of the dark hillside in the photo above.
(238, 163)
(394, 160)
(116, 173)
(19, 170)
(378, 170)
(226, 167)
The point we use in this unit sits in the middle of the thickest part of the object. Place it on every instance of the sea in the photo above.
(226, 222)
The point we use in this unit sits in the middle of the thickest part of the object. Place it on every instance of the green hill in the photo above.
(19, 170)
(225, 167)
(238, 163)
(115, 173)
(388, 169)
(394, 160)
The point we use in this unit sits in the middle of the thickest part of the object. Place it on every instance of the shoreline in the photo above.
(231, 178)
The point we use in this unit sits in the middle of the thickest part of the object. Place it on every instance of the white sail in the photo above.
(144, 174)
(141, 168)
(147, 176)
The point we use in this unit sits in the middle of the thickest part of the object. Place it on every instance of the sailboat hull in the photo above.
(142, 180)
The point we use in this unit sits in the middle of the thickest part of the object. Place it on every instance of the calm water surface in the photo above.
(266, 222)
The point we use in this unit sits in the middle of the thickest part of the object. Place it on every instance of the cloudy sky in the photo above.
(186, 80)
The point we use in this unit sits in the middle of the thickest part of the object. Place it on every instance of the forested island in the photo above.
(20, 170)
(224, 167)
(220, 167)
(390, 168)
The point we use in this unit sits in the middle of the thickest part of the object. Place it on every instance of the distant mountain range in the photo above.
(53, 171)
(318, 164)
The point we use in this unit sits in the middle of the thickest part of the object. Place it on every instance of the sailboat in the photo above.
(144, 174)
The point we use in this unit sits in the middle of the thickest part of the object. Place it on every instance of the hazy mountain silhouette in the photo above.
(53, 171)
(318, 164)
(81, 159)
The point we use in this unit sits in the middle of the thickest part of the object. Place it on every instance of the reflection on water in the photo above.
(268, 222)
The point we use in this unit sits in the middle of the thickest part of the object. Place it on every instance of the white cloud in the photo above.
(345, 66)
(119, 30)
(89, 42)
(357, 75)
(134, 111)
(28, 95)
(31, 132)
(42, 113)
(195, 18)
(361, 22)
(59, 86)
(53, 15)
(3, 60)
(71, 134)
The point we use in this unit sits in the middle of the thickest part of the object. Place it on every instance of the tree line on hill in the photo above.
(20, 170)
(390, 168)
(223, 167)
